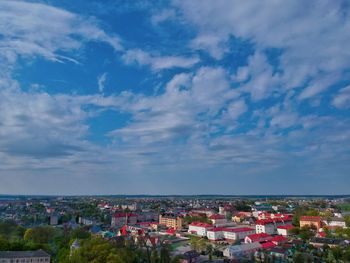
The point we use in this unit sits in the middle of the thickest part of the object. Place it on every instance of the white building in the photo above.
(215, 233)
(199, 228)
(284, 230)
(335, 222)
(38, 256)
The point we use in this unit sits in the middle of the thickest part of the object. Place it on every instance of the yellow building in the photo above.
(171, 220)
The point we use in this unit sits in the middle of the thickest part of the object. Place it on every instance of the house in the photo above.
(120, 219)
(335, 222)
(321, 241)
(171, 220)
(310, 221)
(284, 230)
(217, 219)
(261, 237)
(239, 251)
(267, 245)
(237, 233)
(199, 228)
(279, 240)
(38, 256)
(191, 256)
(265, 226)
(270, 225)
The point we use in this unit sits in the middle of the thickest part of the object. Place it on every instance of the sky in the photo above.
(174, 97)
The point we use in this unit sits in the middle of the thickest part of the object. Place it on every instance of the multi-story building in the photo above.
(229, 234)
(269, 226)
(38, 256)
(199, 228)
(171, 220)
(310, 221)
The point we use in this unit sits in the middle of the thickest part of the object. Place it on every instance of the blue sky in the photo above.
(174, 97)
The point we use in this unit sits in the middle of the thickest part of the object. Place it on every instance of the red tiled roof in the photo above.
(260, 236)
(268, 245)
(239, 229)
(217, 216)
(279, 239)
(287, 227)
(200, 224)
(310, 218)
(217, 229)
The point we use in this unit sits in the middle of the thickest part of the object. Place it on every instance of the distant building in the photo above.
(229, 234)
(217, 219)
(171, 220)
(335, 222)
(262, 237)
(120, 219)
(199, 228)
(86, 221)
(239, 251)
(270, 225)
(310, 221)
(284, 230)
(53, 220)
(190, 257)
(38, 256)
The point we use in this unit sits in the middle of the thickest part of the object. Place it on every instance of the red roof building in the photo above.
(262, 237)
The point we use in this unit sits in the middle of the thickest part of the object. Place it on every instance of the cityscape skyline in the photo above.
(174, 97)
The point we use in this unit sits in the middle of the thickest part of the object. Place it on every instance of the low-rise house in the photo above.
(38, 256)
(284, 230)
(239, 251)
(335, 222)
(279, 240)
(261, 237)
(217, 219)
(332, 242)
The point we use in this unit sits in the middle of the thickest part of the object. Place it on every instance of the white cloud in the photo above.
(313, 36)
(164, 15)
(237, 108)
(342, 99)
(101, 80)
(158, 62)
(34, 29)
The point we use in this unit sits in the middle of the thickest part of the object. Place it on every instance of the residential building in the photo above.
(335, 222)
(310, 221)
(239, 251)
(199, 228)
(38, 256)
(284, 230)
(120, 219)
(262, 237)
(217, 219)
(171, 220)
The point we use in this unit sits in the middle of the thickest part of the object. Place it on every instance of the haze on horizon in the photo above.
(174, 97)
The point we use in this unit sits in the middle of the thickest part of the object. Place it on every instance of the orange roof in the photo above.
(310, 218)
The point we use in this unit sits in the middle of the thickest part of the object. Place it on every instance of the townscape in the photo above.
(174, 229)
